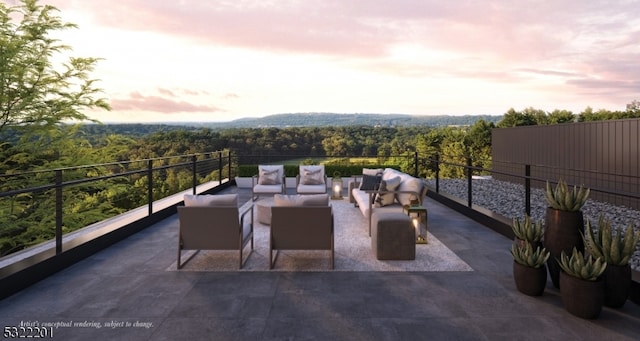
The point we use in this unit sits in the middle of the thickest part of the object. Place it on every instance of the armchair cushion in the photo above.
(211, 200)
(384, 199)
(301, 200)
(268, 177)
(311, 175)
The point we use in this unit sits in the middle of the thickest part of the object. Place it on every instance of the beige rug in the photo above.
(352, 252)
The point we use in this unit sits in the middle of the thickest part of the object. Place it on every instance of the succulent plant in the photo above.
(528, 230)
(564, 199)
(615, 247)
(526, 256)
(577, 266)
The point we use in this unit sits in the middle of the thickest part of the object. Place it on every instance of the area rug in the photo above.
(353, 251)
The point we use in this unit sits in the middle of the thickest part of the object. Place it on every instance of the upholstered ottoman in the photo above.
(393, 236)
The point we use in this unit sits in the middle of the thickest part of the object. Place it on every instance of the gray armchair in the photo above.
(301, 228)
(269, 180)
(214, 227)
(311, 180)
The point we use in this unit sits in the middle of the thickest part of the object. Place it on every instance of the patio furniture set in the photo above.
(304, 221)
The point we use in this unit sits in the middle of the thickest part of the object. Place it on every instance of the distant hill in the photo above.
(330, 119)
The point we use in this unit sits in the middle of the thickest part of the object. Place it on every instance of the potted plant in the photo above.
(529, 270)
(581, 284)
(616, 248)
(563, 223)
(528, 232)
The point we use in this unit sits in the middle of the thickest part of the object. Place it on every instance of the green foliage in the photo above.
(614, 246)
(525, 255)
(564, 199)
(632, 111)
(528, 230)
(33, 94)
(577, 266)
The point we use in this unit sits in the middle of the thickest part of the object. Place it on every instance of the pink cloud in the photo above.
(574, 40)
(137, 101)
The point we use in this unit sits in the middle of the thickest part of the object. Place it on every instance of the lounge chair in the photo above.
(301, 228)
(311, 180)
(269, 180)
(213, 222)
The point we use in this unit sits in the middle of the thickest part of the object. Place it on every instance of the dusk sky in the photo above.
(194, 60)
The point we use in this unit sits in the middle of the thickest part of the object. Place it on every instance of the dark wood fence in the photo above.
(601, 155)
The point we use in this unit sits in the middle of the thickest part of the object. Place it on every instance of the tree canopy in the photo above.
(34, 92)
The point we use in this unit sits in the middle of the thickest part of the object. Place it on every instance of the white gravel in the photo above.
(507, 199)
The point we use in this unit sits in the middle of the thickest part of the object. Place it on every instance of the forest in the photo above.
(28, 219)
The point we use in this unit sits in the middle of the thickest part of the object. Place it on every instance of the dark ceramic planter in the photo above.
(530, 281)
(580, 297)
(617, 285)
(562, 232)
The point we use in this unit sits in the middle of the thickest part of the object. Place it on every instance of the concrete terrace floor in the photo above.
(127, 285)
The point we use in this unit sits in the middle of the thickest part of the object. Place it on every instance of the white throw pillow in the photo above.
(384, 199)
(311, 175)
(211, 200)
(372, 171)
(413, 185)
(268, 177)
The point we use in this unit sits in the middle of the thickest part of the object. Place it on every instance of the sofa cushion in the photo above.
(301, 200)
(311, 175)
(211, 200)
(370, 182)
(412, 185)
(372, 171)
(383, 199)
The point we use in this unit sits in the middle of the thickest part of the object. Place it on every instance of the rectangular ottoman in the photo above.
(393, 236)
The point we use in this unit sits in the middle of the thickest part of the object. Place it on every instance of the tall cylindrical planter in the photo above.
(580, 297)
(617, 285)
(562, 232)
(530, 281)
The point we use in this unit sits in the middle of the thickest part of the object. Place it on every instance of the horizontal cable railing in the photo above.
(57, 202)
(44, 205)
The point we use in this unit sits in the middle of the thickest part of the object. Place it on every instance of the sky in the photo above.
(219, 60)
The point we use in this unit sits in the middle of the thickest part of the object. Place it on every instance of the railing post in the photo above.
(58, 211)
(194, 176)
(469, 182)
(527, 189)
(229, 164)
(219, 167)
(415, 159)
(150, 186)
(437, 173)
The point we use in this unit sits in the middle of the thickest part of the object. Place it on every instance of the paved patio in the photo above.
(126, 291)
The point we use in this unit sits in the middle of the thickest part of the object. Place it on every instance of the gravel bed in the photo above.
(507, 199)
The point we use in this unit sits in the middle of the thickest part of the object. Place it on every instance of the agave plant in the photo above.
(526, 256)
(615, 247)
(577, 266)
(564, 199)
(528, 230)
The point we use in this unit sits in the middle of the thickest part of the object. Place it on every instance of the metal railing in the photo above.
(150, 178)
(521, 174)
(74, 194)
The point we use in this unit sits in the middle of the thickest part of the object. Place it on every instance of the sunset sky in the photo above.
(194, 60)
